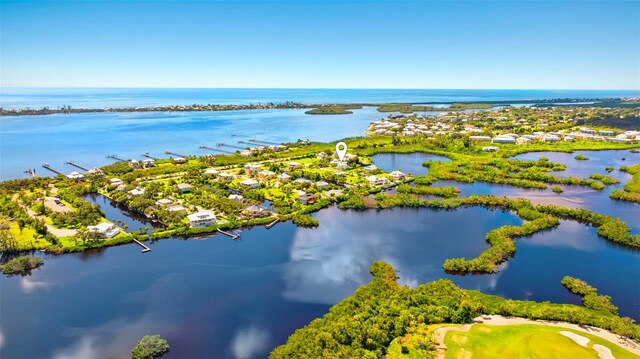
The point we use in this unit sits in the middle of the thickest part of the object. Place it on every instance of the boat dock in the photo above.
(48, 167)
(249, 143)
(145, 249)
(233, 236)
(264, 142)
(275, 221)
(115, 157)
(216, 149)
(232, 146)
(175, 154)
(72, 163)
(31, 172)
(147, 155)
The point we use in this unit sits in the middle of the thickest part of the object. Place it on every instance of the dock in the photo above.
(232, 146)
(175, 154)
(72, 163)
(275, 221)
(249, 143)
(145, 249)
(147, 155)
(31, 172)
(48, 167)
(233, 236)
(115, 157)
(216, 149)
(264, 142)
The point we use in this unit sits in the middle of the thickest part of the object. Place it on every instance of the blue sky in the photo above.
(430, 44)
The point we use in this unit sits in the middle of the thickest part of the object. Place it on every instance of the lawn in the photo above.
(523, 341)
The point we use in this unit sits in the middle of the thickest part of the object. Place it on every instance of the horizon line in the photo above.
(314, 88)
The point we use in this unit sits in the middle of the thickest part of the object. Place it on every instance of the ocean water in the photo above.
(125, 97)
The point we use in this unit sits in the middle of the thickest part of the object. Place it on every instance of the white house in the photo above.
(550, 138)
(148, 163)
(250, 183)
(266, 174)
(523, 140)
(75, 175)
(179, 160)
(397, 175)
(201, 219)
(252, 168)
(226, 176)
(376, 181)
(184, 187)
(164, 202)
(115, 182)
(504, 140)
(480, 138)
(211, 171)
(322, 184)
(294, 165)
(490, 149)
(370, 168)
(137, 191)
(606, 133)
(106, 230)
(283, 177)
(236, 198)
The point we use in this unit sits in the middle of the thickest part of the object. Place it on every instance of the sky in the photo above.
(360, 44)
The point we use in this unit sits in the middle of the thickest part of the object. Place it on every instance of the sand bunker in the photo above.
(603, 352)
(583, 341)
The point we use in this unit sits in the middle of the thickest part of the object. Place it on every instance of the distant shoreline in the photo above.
(331, 108)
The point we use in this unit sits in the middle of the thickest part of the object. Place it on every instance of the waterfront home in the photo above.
(105, 229)
(138, 191)
(480, 138)
(307, 198)
(370, 168)
(95, 171)
(148, 163)
(587, 131)
(115, 182)
(250, 183)
(252, 168)
(179, 160)
(245, 153)
(283, 177)
(606, 133)
(523, 141)
(202, 219)
(226, 176)
(295, 165)
(75, 175)
(504, 140)
(322, 184)
(333, 193)
(568, 139)
(490, 149)
(550, 138)
(236, 198)
(163, 202)
(255, 211)
(397, 175)
(134, 164)
(184, 187)
(266, 174)
(376, 181)
(211, 172)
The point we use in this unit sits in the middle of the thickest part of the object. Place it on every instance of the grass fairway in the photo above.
(523, 341)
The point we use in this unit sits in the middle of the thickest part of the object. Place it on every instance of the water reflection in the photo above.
(406, 162)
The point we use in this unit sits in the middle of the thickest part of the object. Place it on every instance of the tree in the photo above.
(150, 347)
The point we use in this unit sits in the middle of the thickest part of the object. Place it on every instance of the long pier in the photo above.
(233, 236)
(48, 167)
(175, 154)
(248, 143)
(31, 172)
(216, 149)
(115, 157)
(232, 146)
(145, 249)
(147, 155)
(275, 221)
(72, 163)
(264, 142)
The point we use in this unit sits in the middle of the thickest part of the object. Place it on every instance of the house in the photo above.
(252, 168)
(179, 160)
(134, 164)
(307, 198)
(105, 229)
(115, 182)
(266, 174)
(184, 187)
(283, 177)
(376, 181)
(370, 168)
(211, 172)
(503, 140)
(295, 165)
(201, 219)
(333, 193)
(480, 138)
(587, 131)
(75, 175)
(302, 181)
(226, 176)
(255, 211)
(176, 208)
(350, 156)
(95, 171)
(550, 138)
(322, 184)
(490, 149)
(523, 140)
(606, 133)
(137, 191)
(568, 139)
(148, 163)
(397, 175)
(322, 155)
(236, 198)
(250, 183)
(245, 153)
(164, 202)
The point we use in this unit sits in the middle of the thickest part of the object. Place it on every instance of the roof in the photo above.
(200, 215)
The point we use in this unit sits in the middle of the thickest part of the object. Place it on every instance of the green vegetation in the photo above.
(150, 347)
(305, 220)
(365, 324)
(21, 265)
(581, 158)
(557, 189)
(631, 192)
(589, 294)
(524, 341)
(409, 108)
(445, 192)
(333, 110)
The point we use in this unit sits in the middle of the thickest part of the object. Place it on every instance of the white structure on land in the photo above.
(201, 219)
(106, 230)
(250, 182)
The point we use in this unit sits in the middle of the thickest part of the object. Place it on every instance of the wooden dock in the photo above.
(72, 163)
(249, 143)
(175, 154)
(115, 157)
(48, 167)
(264, 142)
(216, 149)
(232, 146)
(233, 236)
(145, 249)
(275, 221)
(147, 155)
